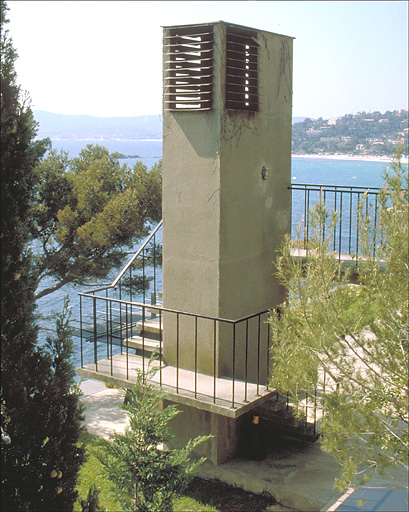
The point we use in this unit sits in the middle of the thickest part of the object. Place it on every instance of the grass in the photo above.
(201, 495)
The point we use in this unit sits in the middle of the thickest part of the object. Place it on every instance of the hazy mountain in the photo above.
(298, 119)
(61, 126)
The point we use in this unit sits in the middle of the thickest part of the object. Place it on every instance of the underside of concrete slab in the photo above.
(298, 475)
(217, 395)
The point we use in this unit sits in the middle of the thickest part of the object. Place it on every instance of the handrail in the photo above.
(137, 254)
(333, 188)
(168, 310)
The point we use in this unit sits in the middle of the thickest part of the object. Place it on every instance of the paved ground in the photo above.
(103, 414)
(298, 475)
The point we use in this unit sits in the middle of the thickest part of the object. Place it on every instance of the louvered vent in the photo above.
(241, 69)
(188, 68)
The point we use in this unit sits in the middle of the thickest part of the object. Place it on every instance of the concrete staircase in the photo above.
(278, 416)
(147, 341)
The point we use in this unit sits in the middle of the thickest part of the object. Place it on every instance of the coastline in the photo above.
(383, 159)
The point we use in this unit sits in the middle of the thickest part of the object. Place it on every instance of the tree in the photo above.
(37, 402)
(354, 334)
(145, 475)
(61, 419)
(86, 211)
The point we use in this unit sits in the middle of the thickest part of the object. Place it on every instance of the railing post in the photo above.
(110, 337)
(130, 283)
(357, 227)
(154, 265)
(335, 209)
(106, 320)
(214, 361)
(340, 226)
(234, 364)
(258, 356)
(95, 333)
(82, 356)
(143, 275)
(350, 221)
(246, 361)
(120, 326)
(160, 347)
(195, 356)
(143, 338)
(268, 355)
(177, 353)
(375, 225)
(127, 341)
(325, 205)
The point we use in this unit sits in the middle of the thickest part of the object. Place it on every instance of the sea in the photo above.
(354, 173)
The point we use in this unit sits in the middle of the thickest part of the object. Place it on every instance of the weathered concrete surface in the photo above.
(222, 221)
(103, 415)
(119, 371)
(298, 475)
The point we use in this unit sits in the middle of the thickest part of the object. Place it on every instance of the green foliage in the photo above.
(91, 504)
(379, 136)
(145, 475)
(39, 409)
(350, 341)
(86, 211)
(40, 466)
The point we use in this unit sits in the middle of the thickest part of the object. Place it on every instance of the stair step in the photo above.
(280, 416)
(139, 343)
(149, 326)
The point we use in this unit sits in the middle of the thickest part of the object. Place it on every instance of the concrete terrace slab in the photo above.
(298, 475)
(103, 414)
(217, 395)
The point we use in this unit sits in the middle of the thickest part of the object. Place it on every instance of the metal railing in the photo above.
(117, 327)
(141, 277)
(112, 316)
(350, 205)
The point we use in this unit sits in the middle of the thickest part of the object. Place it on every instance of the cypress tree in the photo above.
(40, 414)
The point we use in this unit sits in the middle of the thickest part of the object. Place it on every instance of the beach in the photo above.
(356, 158)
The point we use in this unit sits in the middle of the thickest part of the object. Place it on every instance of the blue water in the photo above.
(149, 151)
(352, 173)
(304, 170)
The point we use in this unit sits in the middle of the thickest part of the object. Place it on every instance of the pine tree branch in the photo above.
(55, 287)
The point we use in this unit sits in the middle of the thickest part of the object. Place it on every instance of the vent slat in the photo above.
(188, 45)
(238, 49)
(243, 87)
(202, 79)
(188, 94)
(189, 87)
(241, 69)
(188, 32)
(188, 69)
(190, 60)
(191, 101)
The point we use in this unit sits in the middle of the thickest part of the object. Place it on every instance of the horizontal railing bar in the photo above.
(109, 287)
(167, 310)
(137, 254)
(333, 188)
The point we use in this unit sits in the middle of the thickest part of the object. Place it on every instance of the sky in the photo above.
(104, 58)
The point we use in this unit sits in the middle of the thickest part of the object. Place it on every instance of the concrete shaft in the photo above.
(222, 222)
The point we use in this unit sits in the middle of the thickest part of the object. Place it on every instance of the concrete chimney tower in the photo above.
(227, 114)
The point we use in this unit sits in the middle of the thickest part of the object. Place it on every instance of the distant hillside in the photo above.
(364, 133)
(60, 126)
(299, 119)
